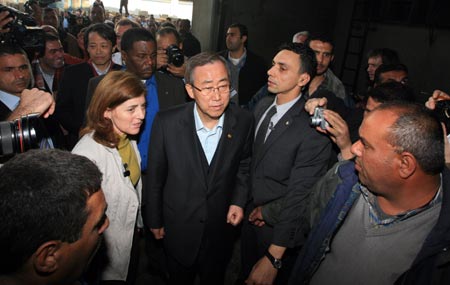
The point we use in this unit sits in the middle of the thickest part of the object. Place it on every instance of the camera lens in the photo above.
(21, 135)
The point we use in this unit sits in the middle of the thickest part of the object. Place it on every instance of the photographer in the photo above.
(165, 38)
(15, 77)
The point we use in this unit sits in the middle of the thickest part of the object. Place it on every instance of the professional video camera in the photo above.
(23, 31)
(21, 134)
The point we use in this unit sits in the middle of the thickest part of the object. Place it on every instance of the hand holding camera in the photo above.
(331, 123)
(171, 60)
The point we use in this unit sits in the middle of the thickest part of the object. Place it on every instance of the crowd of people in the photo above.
(154, 141)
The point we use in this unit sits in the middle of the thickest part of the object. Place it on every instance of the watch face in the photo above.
(277, 263)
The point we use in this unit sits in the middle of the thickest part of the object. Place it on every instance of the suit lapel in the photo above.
(283, 124)
(193, 146)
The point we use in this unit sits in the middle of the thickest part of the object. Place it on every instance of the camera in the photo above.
(318, 120)
(175, 55)
(21, 134)
(442, 111)
(23, 31)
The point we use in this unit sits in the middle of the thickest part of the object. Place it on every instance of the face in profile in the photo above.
(78, 255)
(127, 117)
(284, 74)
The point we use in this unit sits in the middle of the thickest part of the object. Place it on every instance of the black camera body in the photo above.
(21, 134)
(175, 55)
(442, 111)
(23, 31)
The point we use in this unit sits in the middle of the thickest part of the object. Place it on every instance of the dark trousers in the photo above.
(254, 243)
(209, 266)
(123, 3)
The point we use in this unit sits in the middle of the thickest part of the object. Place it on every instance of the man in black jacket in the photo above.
(248, 70)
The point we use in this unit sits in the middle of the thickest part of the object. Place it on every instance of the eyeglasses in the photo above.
(208, 91)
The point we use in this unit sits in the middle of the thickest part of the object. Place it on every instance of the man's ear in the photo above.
(189, 90)
(407, 165)
(244, 38)
(124, 55)
(303, 79)
(46, 257)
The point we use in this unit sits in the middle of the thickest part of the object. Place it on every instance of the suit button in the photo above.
(202, 221)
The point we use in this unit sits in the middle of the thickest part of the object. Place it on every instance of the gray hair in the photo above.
(418, 132)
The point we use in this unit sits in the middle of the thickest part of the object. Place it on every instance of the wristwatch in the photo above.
(277, 263)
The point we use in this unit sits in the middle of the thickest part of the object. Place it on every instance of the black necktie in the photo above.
(262, 131)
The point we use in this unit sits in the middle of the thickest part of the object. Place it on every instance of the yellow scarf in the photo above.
(129, 159)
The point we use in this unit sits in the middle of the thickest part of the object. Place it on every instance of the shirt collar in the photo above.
(199, 124)
(101, 72)
(378, 217)
(11, 101)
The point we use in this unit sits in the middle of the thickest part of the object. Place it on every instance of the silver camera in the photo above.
(318, 120)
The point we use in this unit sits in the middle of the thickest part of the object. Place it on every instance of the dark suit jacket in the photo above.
(252, 76)
(292, 159)
(71, 99)
(171, 91)
(5, 112)
(185, 196)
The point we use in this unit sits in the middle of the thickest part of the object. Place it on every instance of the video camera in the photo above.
(23, 31)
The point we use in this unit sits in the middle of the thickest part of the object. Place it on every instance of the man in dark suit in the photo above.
(16, 100)
(99, 40)
(197, 189)
(288, 157)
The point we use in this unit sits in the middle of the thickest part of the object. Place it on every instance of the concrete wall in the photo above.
(272, 22)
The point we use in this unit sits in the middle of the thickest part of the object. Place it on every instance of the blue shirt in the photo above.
(151, 110)
(11, 101)
(209, 139)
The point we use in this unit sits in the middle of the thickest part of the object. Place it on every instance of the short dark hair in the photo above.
(418, 132)
(135, 35)
(43, 196)
(391, 91)
(48, 37)
(242, 29)
(308, 61)
(323, 38)
(103, 30)
(202, 59)
(386, 68)
(388, 56)
(169, 31)
(11, 49)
